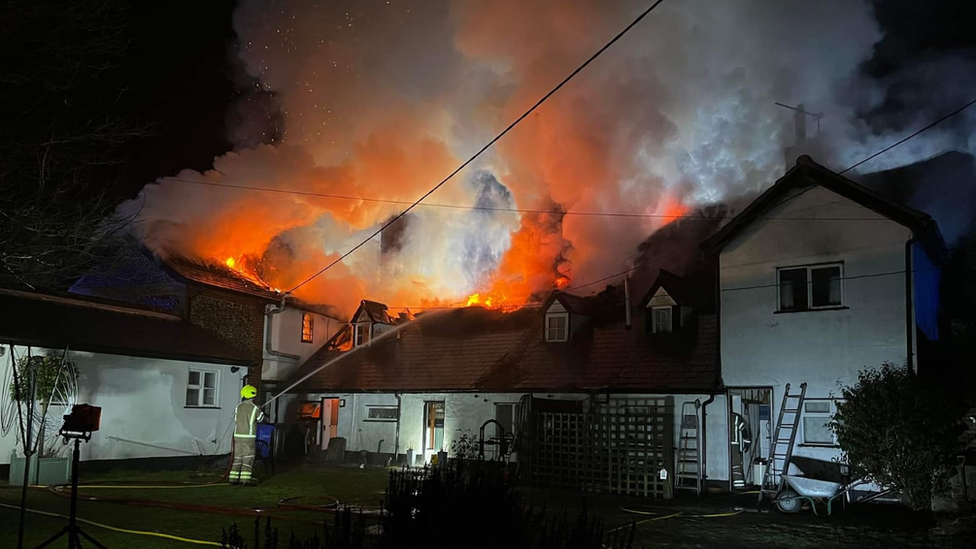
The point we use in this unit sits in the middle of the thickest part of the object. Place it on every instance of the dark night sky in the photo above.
(180, 74)
(179, 77)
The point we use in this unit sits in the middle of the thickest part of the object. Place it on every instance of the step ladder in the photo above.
(688, 472)
(784, 439)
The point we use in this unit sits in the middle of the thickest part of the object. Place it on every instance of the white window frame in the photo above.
(810, 268)
(828, 417)
(357, 329)
(201, 387)
(670, 312)
(515, 414)
(371, 407)
(549, 318)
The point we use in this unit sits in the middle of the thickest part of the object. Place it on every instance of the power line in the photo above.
(893, 145)
(855, 277)
(634, 215)
(487, 146)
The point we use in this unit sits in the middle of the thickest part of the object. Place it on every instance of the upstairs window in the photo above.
(201, 389)
(360, 334)
(307, 324)
(812, 287)
(661, 320)
(557, 327)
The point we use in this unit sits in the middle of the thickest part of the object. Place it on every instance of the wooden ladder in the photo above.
(784, 438)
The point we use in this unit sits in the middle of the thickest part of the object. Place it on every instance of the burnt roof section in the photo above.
(694, 289)
(807, 173)
(474, 349)
(572, 303)
(376, 311)
(54, 321)
(216, 276)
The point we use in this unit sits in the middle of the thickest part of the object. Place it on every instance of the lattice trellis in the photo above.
(620, 448)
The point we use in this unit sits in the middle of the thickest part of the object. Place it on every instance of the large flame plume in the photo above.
(380, 100)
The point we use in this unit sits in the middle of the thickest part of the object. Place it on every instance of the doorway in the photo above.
(330, 420)
(433, 428)
(750, 435)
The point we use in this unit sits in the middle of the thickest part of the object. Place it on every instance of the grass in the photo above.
(313, 485)
(863, 527)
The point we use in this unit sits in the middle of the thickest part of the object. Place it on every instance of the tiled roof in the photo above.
(472, 349)
(218, 276)
(54, 321)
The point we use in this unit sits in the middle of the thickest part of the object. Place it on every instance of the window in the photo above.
(201, 389)
(661, 320)
(557, 327)
(361, 334)
(307, 324)
(507, 415)
(814, 287)
(816, 419)
(381, 413)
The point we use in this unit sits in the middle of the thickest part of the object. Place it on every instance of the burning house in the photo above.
(816, 279)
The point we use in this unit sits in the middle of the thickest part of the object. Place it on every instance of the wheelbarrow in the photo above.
(799, 489)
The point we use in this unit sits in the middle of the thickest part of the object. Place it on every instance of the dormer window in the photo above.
(661, 320)
(361, 334)
(557, 327)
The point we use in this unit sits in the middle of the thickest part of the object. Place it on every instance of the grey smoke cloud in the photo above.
(382, 99)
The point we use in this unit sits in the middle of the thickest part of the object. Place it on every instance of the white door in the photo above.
(328, 429)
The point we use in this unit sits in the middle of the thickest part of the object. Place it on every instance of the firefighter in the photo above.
(246, 417)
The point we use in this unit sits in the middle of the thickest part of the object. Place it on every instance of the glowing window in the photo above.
(307, 324)
(361, 334)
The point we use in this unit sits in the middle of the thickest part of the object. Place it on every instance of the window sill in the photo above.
(201, 407)
(815, 445)
(816, 310)
(379, 421)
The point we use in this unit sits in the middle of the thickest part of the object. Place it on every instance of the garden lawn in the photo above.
(312, 485)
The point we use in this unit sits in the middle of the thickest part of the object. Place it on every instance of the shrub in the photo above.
(900, 431)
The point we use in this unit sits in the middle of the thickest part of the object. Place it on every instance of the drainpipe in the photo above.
(627, 302)
(270, 310)
(909, 325)
(704, 440)
(396, 439)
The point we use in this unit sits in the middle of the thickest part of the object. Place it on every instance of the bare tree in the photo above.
(61, 139)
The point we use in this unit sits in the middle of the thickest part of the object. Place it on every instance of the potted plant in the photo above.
(49, 381)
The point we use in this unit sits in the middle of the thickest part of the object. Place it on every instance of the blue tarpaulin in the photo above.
(927, 276)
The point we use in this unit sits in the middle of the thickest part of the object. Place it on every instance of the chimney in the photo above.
(799, 126)
(627, 302)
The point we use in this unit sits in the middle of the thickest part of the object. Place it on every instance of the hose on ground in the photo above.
(117, 529)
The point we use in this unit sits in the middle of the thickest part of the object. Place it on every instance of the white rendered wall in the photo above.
(466, 412)
(286, 337)
(143, 403)
(822, 348)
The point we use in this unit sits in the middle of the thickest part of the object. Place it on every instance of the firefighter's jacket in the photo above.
(246, 417)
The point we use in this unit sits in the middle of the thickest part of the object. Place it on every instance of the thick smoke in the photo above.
(381, 100)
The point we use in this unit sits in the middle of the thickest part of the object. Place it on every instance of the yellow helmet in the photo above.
(248, 391)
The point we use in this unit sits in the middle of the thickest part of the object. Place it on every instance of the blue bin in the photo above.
(265, 439)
